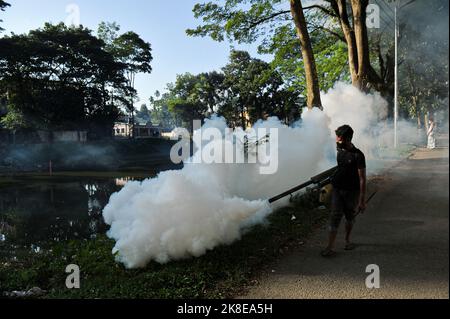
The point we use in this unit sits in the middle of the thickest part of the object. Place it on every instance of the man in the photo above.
(349, 188)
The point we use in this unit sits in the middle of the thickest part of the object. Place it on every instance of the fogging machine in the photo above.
(320, 181)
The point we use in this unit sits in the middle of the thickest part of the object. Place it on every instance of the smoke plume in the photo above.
(185, 213)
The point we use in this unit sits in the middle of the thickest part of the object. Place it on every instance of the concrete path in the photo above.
(405, 231)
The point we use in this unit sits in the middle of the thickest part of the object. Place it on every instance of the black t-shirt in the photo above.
(349, 162)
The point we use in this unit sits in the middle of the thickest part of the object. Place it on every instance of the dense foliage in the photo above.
(60, 77)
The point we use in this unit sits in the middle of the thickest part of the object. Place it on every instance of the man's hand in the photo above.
(362, 206)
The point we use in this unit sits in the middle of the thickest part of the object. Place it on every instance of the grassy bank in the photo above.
(220, 273)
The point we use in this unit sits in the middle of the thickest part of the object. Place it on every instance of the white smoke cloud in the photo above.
(345, 104)
(366, 114)
(185, 213)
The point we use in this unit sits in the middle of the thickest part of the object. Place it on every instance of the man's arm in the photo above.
(362, 189)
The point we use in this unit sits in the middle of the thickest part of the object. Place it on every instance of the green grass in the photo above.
(221, 273)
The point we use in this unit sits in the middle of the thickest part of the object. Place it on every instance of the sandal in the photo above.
(350, 246)
(328, 253)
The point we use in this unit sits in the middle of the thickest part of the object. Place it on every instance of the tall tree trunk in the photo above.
(340, 7)
(419, 120)
(359, 8)
(312, 80)
(356, 35)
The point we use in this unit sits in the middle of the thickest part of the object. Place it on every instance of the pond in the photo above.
(36, 211)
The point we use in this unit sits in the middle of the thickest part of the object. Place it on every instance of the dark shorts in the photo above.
(343, 203)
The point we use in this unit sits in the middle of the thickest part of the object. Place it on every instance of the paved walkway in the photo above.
(405, 231)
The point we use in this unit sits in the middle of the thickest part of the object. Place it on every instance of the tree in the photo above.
(244, 77)
(424, 60)
(246, 90)
(56, 78)
(108, 32)
(351, 16)
(254, 90)
(135, 53)
(3, 6)
(357, 40)
(194, 97)
(132, 51)
(160, 111)
(210, 91)
(351, 28)
(312, 81)
(330, 55)
(144, 113)
(259, 19)
(14, 120)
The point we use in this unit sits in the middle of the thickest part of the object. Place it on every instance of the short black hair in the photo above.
(346, 132)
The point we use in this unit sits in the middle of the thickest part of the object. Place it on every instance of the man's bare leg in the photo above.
(348, 231)
(332, 240)
(329, 251)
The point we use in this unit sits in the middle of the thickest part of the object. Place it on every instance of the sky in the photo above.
(162, 23)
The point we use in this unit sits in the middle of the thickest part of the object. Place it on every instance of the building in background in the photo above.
(123, 128)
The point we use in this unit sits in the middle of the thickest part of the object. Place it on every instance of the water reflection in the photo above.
(35, 213)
